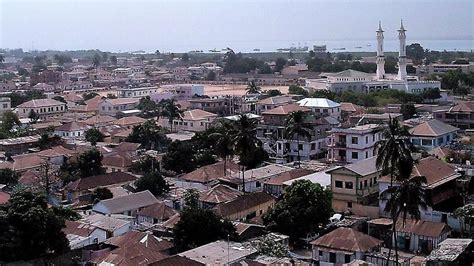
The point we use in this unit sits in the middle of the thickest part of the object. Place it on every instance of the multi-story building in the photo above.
(443, 68)
(432, 134)
(272, 102)
(46, 76)
(195, 120)
(43, 107)
(353, 144)
(113, 106)
(220, 105)
(355, 185)
(322, 106)
(136, 92)
(282, 150)
(5, 104)
(181, 92)
(460, 115)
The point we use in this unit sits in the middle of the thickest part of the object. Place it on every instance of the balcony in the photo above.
(340, 144)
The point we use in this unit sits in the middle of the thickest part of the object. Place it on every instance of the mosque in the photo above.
(365, 82)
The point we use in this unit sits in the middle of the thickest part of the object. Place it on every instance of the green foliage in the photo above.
(211, 75)
(113, 60)
(180, 157)
(431, 94)
(197, 227)
(66, 213)
(171, 110)
(145, 164)
(148, 107)
(9, 120)
(150, 135)
(88, 96)
(280, 63)
(295, 89)
(253, 88)
(408, 111)
(273, 93)
(19, 98)
(416, 53)
(8, 177)
(33, 116)
(101, 193)
(267, 246)
(237, 63)
(29, 229)
(296, 126)
(87, 164)
(59, 99)
(185, 57)
(93, 135)
(304, 209)
(191, 198)
(96, 60)
(154, 182)
(62, 59)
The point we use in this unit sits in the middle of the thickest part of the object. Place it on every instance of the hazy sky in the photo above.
(177, 25)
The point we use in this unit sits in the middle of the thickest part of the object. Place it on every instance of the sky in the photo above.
(205, 24)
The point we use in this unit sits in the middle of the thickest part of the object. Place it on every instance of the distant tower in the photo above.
(402, 60)
(380, 56)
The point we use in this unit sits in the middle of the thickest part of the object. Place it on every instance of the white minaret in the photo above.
(380, 57)
(402, 61)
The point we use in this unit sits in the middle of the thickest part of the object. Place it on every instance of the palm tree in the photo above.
(245, 140)
(253, 88)
(171, 110)
(224, 145)
(404, 200)
(296, 125)
(393, 155)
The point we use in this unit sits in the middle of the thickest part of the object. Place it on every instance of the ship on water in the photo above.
(294, 49)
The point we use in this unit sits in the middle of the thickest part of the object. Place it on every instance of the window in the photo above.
(347, 258)
(332, 257)
(355, 155)
(320, 253)
(448, 137)
(366, 139)
(349, 185)
(349, 204)
(440, 141)
(355, 140)
(338, 183)
(426, 142)
(365, 183)
(415, 141)
(300, 147)
(258, 184)
(313, 146)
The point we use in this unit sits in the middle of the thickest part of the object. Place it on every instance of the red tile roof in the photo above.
(158, 211)
(219, 194)
(286, 109)
(285, 176)
(211, 172)
(422, 228)
(243, 203)
(96, 181)
(432, 128)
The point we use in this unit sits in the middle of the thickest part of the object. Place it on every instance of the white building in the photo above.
(136, 92)
(353, 144)
(113, 106)
(195, 120)
(322, 106)
(42, 107)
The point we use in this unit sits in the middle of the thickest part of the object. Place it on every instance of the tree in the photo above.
(394, 158)
(211, 75)
(464, 215)
(88, 96)
(245, 140)
(33, 116)
(197, 227)
(180, 157)
(145, 164)
(253, 88)
(153, 182)
(150, 135)
(148, 107)
(294, 89)
(8, 177)
(416, 53)
(431, 94)
(303, 210)
(296, 125)
(266, 246)
(59, 99)
(273, 93)
(2, 58)
(407, 110)
(280, 64)
(96, 60)
(171, 110)
(113, 60)
(185, 57)
(93, 135)
(9, 120)
(87, 164)
(224, 146)
(29, 229)
(191, 198)
(101, 193)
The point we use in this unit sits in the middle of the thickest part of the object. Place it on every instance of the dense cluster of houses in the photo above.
(135, 228)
